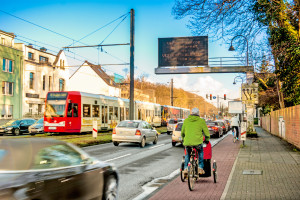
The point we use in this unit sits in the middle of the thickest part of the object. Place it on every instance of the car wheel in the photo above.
(116, 143)
(143, 142)
(17, 131)
(32, 134)
(111, 188)
(155, 140)
(173, 144)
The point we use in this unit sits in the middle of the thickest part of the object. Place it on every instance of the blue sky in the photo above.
(75, 19)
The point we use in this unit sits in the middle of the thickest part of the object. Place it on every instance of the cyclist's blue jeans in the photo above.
(200, 153)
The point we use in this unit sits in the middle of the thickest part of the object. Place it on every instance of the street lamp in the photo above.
(231, 48)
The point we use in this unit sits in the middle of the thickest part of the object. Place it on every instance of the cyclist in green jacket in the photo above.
(191, 133)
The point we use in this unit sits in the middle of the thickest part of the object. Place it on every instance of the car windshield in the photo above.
(178, 127)
(211, 124)
(40, 121)
(129, 124)
(173, 121)
(16, 122)
(55, 108)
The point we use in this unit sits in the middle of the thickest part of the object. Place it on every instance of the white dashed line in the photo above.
(156, 146)
(118, 157)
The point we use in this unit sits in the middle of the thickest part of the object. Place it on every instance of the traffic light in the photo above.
(210, 96)
(224, 96)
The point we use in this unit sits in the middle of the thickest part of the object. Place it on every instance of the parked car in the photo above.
(16, 127)
(37, 127)
(224, 126)
(134, 131)
(172, 124)
(35, 168)
(215, 129)
(176, 136)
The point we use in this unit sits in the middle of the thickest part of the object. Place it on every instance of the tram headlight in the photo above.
(62, 123)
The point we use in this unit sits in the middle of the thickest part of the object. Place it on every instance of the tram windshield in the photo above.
(55, 108)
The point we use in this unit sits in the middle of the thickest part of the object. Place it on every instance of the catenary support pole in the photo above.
(131, 105)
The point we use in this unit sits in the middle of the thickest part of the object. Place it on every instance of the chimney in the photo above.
(43, 49)
(30, 45)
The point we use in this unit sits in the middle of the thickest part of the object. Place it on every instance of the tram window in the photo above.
(69, 113)
(75, 110)
(111, 112)
(96, 111)
(86, 110)
(116, 113)
(127, 113)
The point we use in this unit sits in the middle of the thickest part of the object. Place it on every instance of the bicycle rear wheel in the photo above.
(215, 173)
(182, 177)
(191, 177)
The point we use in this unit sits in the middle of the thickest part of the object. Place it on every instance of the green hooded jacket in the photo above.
(191, 131)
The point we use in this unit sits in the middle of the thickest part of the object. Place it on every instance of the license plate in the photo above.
(52, 128)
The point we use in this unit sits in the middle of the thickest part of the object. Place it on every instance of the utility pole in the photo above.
(171, 92)
(131, 104)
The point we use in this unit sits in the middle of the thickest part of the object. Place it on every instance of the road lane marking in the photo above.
(117, 157)
(156, 146)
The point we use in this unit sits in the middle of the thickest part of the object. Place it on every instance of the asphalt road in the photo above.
(138, 166)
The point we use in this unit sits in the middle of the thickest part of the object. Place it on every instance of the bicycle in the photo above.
(235, 138)
(193, 174)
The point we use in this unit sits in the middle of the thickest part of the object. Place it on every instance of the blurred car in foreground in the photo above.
(35, 168)
(16, 127)
(37, 127)
(215, 129)
(134, 131)
(176, 136)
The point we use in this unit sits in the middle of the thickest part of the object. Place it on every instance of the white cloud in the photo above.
(206, 85)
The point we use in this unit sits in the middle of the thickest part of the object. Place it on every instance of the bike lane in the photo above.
(225, 154)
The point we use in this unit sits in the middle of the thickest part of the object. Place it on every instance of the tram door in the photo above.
(104, 124)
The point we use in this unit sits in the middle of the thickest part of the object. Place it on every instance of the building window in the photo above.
(44, 82)
(6, 111)
(30, 56)
(7, 88)
(7, 65)
(30, 108)
(61, 84)
(104, 114)
(50, 78)
(31, 80)
(116, 113)
(111, 112)
(40, 108)
(43, 59)
(2, 41)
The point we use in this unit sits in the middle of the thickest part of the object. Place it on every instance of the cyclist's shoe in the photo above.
(237, 138)
(185, 173)
(201, 171)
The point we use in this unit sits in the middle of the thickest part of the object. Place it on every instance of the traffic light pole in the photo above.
(131, 103)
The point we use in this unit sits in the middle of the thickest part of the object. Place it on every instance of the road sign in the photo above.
(250, 93)
(243, 131)
(214, 97)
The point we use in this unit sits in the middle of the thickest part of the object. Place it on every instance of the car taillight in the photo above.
(138, 132)
(176, 126)
(114, 131)
(208, 126)
(223, 126)
(215, 128)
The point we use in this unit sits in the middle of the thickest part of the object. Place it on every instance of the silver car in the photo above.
(172, 124)
(134, 131)
(176, 136)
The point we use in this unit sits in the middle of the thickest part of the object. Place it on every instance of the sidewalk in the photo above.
(280, 178)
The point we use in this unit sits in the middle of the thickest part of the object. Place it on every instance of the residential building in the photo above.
(43, 72)
(11, 62)
(92, 79)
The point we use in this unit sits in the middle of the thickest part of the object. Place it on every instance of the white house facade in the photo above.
(92, 79)
(43, 72)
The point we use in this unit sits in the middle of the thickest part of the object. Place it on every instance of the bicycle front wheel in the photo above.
(191, 177)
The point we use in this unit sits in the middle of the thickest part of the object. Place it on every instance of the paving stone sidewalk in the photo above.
(279, 164)
(225, 154)
(280, 167)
